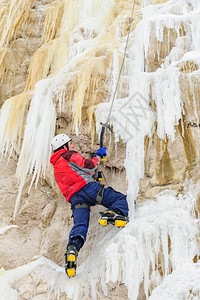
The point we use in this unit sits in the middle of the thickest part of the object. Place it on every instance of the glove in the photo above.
(101, 152)
(98, 177)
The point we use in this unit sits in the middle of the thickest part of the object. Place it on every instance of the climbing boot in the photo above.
(70, 261)
(111, 217)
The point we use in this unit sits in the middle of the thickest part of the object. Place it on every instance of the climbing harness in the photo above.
(98, 199)
(99, 196)
(82, 205)
(106, 125)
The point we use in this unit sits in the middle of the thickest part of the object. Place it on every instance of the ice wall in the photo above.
(82, 51)
(132, 120)
(163, 39)
(161, 239)
(159, 84)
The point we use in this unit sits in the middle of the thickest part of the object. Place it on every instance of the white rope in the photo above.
(131, 20)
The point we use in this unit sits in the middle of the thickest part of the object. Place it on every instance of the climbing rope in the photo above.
(104, 125)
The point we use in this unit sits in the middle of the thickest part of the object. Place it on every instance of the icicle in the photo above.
(12, 119)
(166, 93)
(39, 66)
(14, 14)
(39, 130)
(53, 20)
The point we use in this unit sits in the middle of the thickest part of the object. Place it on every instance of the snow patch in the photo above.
(181, 284)
(6, 228)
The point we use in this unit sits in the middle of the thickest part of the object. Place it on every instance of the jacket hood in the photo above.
(56, 156)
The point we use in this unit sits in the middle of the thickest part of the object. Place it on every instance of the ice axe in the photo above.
(98, 175)
(103, 128)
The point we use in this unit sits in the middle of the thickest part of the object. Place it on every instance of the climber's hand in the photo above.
(102, 153)
(98, 176)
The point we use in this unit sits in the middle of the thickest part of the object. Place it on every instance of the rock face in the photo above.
(78, 61)
(38, 210)
(20, 38)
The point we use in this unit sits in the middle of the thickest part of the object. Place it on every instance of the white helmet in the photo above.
(59, 140)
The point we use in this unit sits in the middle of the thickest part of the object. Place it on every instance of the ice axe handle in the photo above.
(101, 138)
(102, 134)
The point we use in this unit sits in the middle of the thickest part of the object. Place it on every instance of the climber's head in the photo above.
(62, 141)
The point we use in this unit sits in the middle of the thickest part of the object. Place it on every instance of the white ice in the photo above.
(6, 228)
(127, 255)
(181, 284)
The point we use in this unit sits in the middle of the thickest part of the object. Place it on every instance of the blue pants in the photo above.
(112, 200)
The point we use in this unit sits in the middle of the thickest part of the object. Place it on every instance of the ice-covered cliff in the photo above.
(59, 65)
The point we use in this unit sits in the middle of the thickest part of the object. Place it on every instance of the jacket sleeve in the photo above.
(87, 165)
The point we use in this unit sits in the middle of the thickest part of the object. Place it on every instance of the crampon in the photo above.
(71, 260)
(110, 217)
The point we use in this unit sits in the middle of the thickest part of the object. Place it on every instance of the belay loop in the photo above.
(104, 125)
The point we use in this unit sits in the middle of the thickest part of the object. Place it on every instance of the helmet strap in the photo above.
(67, 146)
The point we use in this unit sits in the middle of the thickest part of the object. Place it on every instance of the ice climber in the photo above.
(73, 175)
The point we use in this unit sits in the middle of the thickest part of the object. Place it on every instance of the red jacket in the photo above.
(72, 171)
